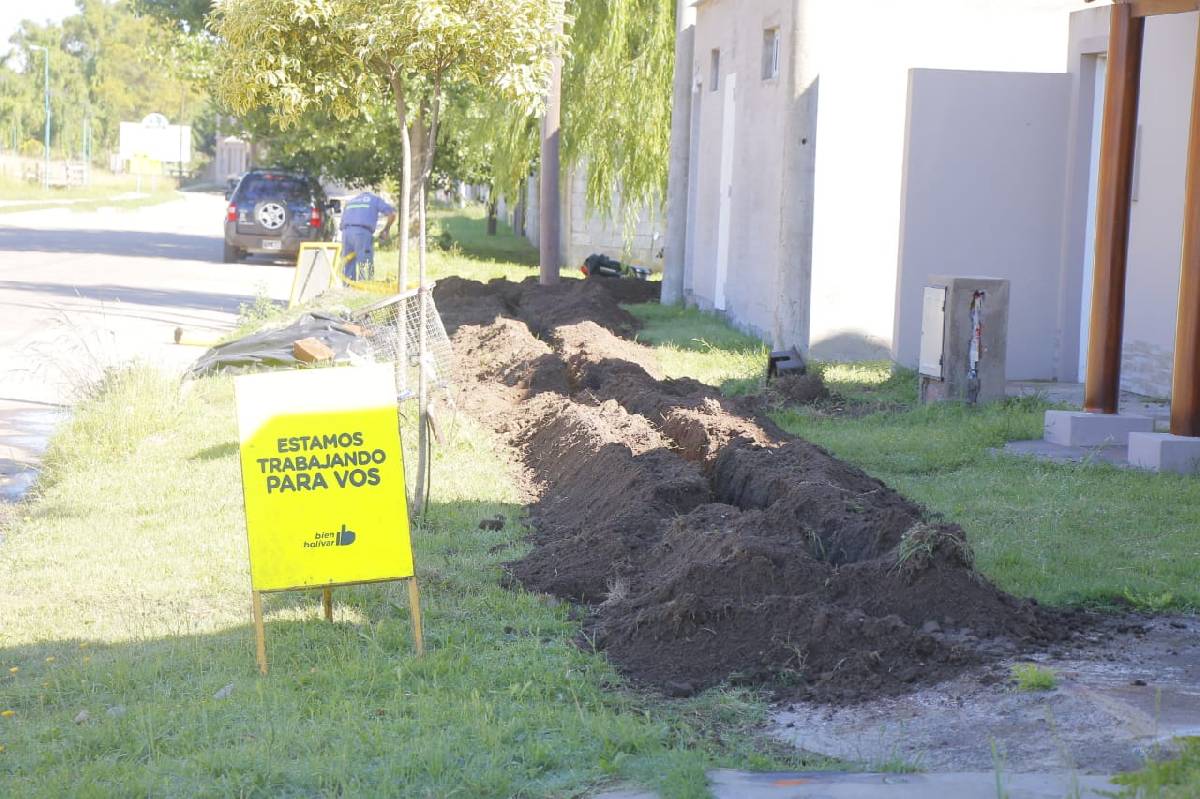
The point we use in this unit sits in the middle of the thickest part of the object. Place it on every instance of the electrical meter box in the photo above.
(964, 334)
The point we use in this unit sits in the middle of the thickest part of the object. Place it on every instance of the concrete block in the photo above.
(1080, 429)
(312, 350)
(973, 305)
(1163, 452)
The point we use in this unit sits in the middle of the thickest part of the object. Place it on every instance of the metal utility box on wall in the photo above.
(964, 334)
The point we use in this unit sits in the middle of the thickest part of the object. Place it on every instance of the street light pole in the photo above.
(46, 94)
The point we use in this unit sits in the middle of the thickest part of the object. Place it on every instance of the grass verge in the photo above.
(126, 657)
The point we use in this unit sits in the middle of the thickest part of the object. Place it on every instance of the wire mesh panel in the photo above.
(393, 329)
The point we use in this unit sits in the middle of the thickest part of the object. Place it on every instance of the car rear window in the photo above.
(274, 187)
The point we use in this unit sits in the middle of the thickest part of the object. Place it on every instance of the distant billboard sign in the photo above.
(157, 140)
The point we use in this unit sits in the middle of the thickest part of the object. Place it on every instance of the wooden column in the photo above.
(1113, 196)
(1185, 388)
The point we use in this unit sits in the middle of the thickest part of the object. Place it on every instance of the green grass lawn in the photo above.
(17, 195)
(459, 246)
(125, 595)
(125, 590)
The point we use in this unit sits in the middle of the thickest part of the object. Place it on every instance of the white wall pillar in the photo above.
(675, 246)
(790, 325)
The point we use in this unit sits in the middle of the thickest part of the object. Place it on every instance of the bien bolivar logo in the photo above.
(335, 538)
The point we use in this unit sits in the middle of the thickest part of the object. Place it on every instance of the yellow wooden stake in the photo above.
(414, 607)
(327, 601)
(260, 633)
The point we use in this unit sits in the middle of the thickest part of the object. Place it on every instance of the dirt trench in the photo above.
(710, 545)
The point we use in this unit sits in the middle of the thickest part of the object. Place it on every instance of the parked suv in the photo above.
(273, 212)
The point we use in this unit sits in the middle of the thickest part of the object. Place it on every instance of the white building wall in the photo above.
(864, 52)
(587, 231)
(735, 28)
(1156, 226)
(863, 269)
(868, 49)
(983, 196)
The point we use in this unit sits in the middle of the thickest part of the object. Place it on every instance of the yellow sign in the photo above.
(323, 478)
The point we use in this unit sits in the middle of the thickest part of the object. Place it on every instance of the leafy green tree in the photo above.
(337, 56)
(107, 65)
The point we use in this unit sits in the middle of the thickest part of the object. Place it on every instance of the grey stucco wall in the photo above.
(585, 231)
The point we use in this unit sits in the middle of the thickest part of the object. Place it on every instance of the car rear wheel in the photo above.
(232, 254)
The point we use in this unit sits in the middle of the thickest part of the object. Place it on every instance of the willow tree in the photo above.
(617, 83)
(616, 107)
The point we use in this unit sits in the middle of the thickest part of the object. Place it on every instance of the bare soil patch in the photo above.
(709, 545)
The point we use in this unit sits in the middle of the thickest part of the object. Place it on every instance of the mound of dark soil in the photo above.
(710, 545)
(630, 292)
(804, 389)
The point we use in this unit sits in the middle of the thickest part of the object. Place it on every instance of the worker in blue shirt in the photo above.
(360, 215)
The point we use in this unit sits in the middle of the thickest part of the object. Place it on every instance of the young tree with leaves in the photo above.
(295, 55)
(336, 55)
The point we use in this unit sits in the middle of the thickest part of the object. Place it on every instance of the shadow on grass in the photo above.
(216, 452)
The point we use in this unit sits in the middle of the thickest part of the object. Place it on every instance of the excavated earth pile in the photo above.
(709, 544)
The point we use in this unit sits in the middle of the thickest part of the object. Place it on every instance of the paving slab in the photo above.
(960, 785)
(1059, 453)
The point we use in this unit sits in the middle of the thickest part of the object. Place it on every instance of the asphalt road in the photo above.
(84, 291)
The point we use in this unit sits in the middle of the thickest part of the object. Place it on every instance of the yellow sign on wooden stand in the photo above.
(323, 482)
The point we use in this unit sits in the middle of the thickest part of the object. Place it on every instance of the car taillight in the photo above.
(314, 218)
(231, 213)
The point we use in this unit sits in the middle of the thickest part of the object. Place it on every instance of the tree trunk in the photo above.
(406, 172)
(519, 210)
(424, 453)
(491, 217)
(548, 207)
(401, 364)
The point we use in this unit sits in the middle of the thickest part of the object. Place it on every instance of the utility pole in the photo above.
(549, 206)
(46, 94)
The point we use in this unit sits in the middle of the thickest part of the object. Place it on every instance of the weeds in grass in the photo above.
(1174, 778)
(1149, 602)
(1032, 677)
(263, 309)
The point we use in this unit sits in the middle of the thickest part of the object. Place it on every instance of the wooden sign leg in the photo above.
(414, 607)
(327, 601)
(260, 633)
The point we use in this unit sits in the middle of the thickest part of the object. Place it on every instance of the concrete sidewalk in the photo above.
(726, 784)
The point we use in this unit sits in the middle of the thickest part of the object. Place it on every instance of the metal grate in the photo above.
(392, 328)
